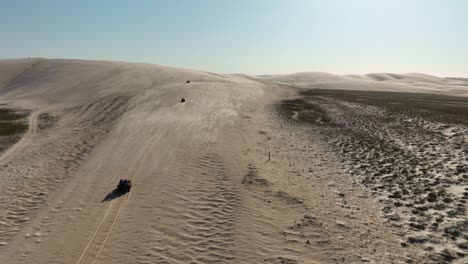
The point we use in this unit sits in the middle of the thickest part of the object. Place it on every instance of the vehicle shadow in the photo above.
(113, 195)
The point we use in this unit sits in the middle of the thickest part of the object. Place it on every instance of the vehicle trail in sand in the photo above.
(24, 141)
(132, 170)
(21, 144)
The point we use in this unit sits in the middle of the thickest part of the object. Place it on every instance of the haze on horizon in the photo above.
(252, 37)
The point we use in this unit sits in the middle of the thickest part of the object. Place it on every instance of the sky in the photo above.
(246, 36)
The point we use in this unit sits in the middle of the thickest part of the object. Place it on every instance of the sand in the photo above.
(408, 150)
(204, 190)
(411, 82)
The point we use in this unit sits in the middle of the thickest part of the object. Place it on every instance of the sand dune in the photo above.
(204, 190)
(107, 121)
(305, 77)
(411, 82)
(410, 77)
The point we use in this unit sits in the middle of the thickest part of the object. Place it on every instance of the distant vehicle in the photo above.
(188, 81)
(182, 100)
(124, 185)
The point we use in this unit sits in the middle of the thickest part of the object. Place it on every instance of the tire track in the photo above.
(24, 141)
(8, 155)
(133, 169)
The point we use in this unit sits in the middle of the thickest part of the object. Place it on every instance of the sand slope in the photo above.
(203, 191)
(111, 120)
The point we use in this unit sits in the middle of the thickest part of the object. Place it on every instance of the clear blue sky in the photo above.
(246, 36)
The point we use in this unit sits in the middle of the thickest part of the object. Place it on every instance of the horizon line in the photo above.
(256, 75)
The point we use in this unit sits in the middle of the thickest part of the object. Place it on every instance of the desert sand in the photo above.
(231, 175)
